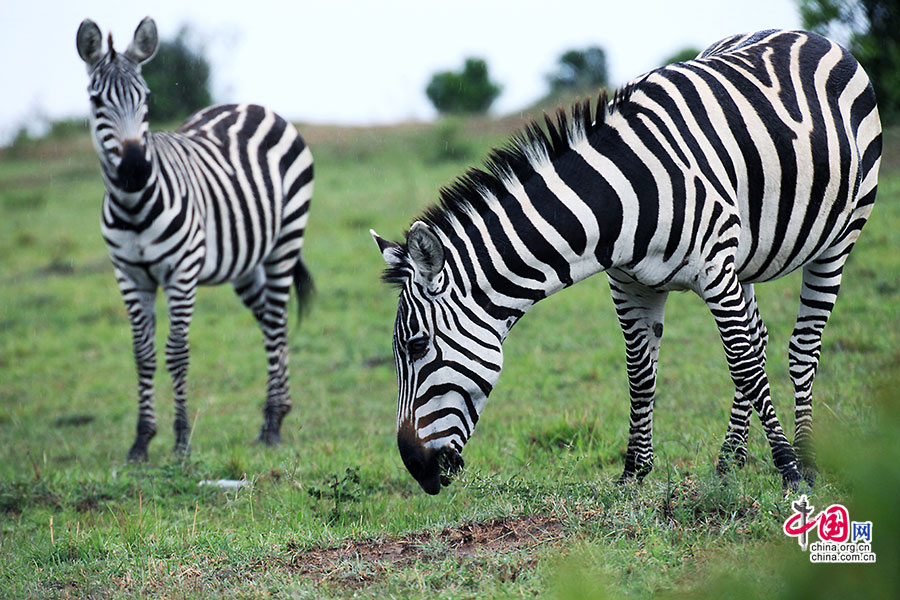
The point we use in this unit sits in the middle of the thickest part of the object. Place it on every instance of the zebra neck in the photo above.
(543, 233)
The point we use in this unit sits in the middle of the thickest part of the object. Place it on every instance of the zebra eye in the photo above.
(417, 347)
(96, 101)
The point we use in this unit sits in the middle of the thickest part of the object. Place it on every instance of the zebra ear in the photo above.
(89, 43)
(391, 251)
(425, 251)
(145, 42)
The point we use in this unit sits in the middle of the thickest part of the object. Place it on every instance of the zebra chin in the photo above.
(430, 467)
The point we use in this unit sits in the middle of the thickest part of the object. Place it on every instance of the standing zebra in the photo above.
(224, 198)
(755, 159)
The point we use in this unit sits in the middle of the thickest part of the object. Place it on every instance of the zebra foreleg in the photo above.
(640, 311)
(725, 299)
(734, 450)
(180, 298)
(141, 313)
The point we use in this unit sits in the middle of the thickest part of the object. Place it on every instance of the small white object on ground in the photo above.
(226, 484)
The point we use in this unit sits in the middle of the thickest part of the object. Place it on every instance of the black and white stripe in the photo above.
(225, 198)
(758, 158)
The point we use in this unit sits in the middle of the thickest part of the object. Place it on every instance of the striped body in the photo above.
(223, 199)
(228, 189)
(758, 158)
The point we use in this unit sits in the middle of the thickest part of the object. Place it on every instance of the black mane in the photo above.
(513, 159)
(465, 193)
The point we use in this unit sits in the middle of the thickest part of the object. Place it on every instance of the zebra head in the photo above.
(118, 96)
(448, 359)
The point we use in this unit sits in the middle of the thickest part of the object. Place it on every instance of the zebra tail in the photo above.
(303, 283)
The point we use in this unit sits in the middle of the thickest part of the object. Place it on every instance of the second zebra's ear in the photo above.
(426, 253)
(390, 251)
(89, 42)
(145, 42)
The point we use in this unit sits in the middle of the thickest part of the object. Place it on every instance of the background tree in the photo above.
(686, 53)
(580, 70)
(178, 78)
(871, 31)
(468, 91)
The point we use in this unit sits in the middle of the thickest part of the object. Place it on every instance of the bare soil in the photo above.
(360, 562)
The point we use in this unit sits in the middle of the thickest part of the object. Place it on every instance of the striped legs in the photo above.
(818, 293)
(734, 450)
(180, 296)
(265, 292)
(726, 300)
(140, 306)
(821, 283)
(640, 312)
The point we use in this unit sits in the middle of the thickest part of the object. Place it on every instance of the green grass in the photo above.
(549, 446)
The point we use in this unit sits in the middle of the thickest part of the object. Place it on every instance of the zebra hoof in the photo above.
(731, 457)
(625, 478)
(807, 461)
(137, 454)
(268, 437)
(791, 480)
(636, 476)
(182, 450)
(808, 471)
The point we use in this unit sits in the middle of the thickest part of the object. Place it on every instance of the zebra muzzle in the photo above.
(134, 168)
(432, 468)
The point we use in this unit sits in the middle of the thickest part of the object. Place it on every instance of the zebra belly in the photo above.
(232, 254)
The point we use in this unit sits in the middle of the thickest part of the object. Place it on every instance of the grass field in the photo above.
(332, 512)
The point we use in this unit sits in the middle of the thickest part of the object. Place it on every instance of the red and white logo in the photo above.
(840, 539)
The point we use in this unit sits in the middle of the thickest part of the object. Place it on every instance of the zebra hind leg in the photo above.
(821, 283)
(725, 299)
(253, 293)
(641, 312)
(267, 296)
(734, 450)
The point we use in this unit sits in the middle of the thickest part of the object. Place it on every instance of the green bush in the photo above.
(685, 54)
(580, 69)
(873, 40)
(468, 91)
(178, 78)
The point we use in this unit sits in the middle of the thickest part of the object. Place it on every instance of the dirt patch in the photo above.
(357, 563)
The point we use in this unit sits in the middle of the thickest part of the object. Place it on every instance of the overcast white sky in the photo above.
(360, 62)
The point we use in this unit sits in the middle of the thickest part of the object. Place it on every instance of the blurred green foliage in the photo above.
(579, 70)
(178, 78)
(469, 91)
(447, 142)
(686, 53)
(873, 29)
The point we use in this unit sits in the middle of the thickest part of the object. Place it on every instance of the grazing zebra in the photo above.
(755, 159)
(224, 198)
